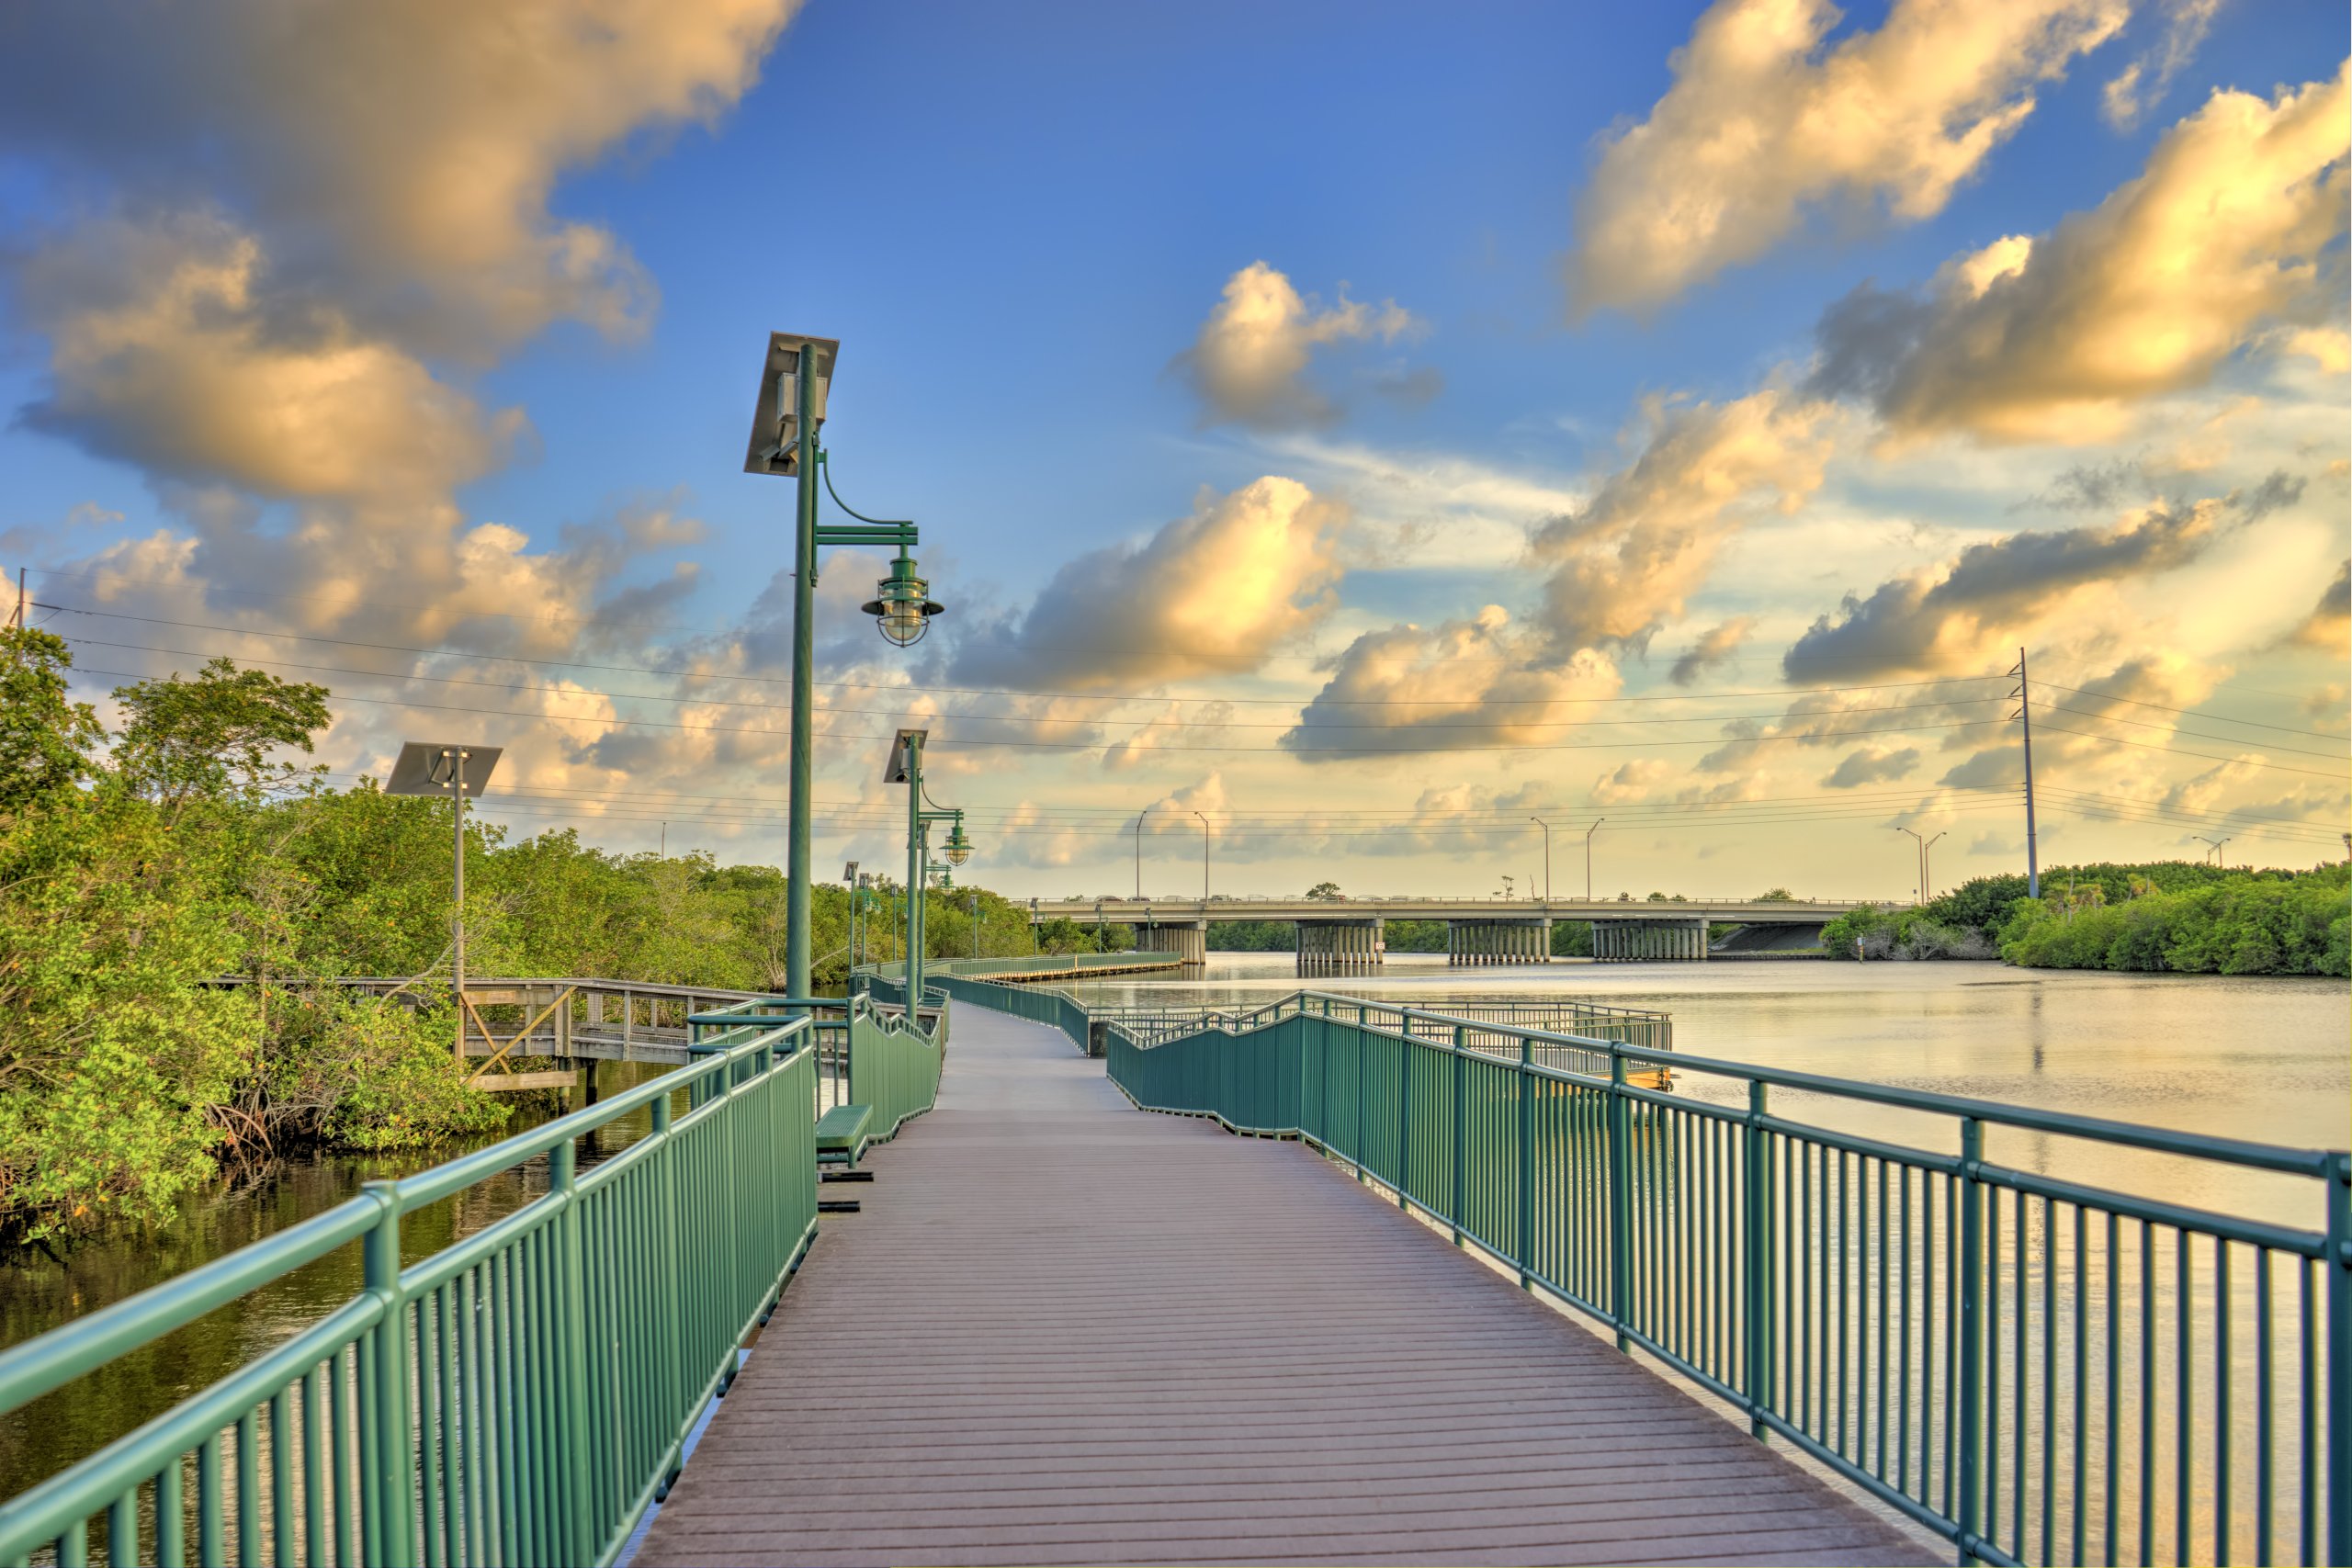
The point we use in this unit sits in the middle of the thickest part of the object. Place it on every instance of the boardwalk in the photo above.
(1067, 1331)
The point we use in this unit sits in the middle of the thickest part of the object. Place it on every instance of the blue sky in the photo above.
(1016, 219)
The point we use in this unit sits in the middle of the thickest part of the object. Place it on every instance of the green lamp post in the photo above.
(794, 380)
(905, 766)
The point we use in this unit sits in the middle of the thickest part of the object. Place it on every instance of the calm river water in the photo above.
(2262, 1059)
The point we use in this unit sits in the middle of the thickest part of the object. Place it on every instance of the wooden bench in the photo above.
(841, 1134)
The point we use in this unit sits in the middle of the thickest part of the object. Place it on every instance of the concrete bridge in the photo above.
(1340, 936)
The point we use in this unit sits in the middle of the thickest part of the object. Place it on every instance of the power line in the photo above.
(967, 691)
(1353, 751)
(2145, 746)
(2194, 734)
(2196, 713)
(1142, 725)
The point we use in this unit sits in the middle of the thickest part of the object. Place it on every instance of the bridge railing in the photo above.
(519, 1396)
(2036, 1369)
(867, 1054)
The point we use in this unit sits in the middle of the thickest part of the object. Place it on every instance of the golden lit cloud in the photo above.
(2055, 338)
(1763, 124)
(1249, 362)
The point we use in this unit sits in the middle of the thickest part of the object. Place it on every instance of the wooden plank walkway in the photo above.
(1065, 1331)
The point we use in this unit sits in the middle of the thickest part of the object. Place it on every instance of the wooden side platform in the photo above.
(1065, 1331)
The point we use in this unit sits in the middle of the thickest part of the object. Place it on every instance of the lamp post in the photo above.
(1589, 832)
(1547, 856)
(1925, 844)
(1139, 817)
(795, 378)
(975, 907)
(1204, 866)
(426, 767)
(2216, 852)
(905, 766)
(849, 876)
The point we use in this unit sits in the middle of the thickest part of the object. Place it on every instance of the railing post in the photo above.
(1970, 1392)
(1404, 1114)
(571, 1312)
(1460, 1154)
(1621, 1198)
(1757, 1250)
(1526, 1163)
(394, 1542)
(2339, 1359)
(671, 1340)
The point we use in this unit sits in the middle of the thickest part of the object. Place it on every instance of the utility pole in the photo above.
(20, 622)
(1589, 832)
(1547, 855)
(2024, 696)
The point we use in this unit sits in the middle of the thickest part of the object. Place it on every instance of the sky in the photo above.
(1365, 441)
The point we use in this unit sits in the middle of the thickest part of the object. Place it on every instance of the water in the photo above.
(37, 1294)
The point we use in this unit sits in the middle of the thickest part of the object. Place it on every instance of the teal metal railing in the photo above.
(518, 1397)
(2036, 1369)
(874, 1057)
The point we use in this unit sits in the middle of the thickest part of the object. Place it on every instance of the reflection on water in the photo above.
(37, 1294)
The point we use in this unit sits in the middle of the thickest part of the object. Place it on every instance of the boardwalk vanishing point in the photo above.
(1065, 1330)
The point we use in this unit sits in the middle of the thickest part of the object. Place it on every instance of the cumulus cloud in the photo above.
(1472, 683)
(2135, 89)
(1249, 363)
(2218, 241)
(399, 156)
(1763, 124)
(2329, 625)
(167, 352)
(1953, 619)
(1212, 594)
(294, 235)
(1625, 562)
(1715, 645)
(1871, 764)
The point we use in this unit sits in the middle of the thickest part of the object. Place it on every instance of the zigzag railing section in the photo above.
(520, 1396)
(2039, 1370)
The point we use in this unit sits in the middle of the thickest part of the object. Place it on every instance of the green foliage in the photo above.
(2172, 915)
(45, 741)
(214, 734)
(2240, 923)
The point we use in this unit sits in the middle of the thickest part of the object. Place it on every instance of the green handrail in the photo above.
(521, 1396)
(2037, 1369)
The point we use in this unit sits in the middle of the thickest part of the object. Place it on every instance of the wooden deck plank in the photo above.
(1065, 1331)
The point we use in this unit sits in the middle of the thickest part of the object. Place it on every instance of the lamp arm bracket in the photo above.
(902, 535)
(825, 466)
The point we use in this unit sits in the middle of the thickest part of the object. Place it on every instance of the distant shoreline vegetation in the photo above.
(2158, 917)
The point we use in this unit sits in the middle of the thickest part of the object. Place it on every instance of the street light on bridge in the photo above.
(795, 378)
(1547, 856)
(1589, 832)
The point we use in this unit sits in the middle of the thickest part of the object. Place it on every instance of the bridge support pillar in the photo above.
(1187, 939)
(1472, 943)
(1340, 947)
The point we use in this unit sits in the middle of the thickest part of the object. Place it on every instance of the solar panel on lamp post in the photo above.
(432, 768)
(795, 378)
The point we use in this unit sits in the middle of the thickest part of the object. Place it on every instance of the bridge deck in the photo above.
(1067, 1331)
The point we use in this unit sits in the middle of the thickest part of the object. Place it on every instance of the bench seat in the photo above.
(842, 1133)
